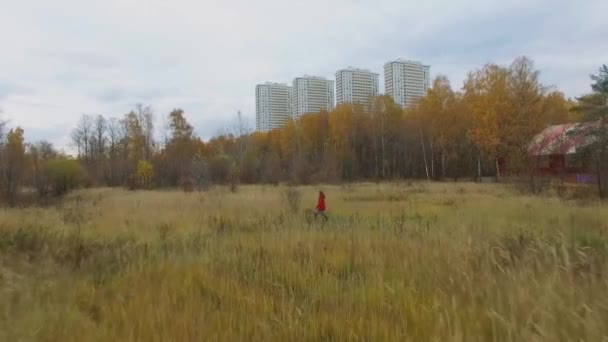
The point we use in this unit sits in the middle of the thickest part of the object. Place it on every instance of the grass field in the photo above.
(399, 261)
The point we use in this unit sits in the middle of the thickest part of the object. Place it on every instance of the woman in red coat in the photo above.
(320, 208)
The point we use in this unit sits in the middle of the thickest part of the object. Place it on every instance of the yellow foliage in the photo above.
(144, 173)
(487, 99)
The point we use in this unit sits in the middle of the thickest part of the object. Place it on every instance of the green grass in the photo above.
(399, 261)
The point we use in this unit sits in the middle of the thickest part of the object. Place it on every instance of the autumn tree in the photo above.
(180, 149)
(343, 139)
(82, 136)
(14, 161)
(415, 154)
(487, 97)
(383, 115)
(39, 154)
(200, 171)
(241, 133)
(254, 168)
(2, 149)
(313, 129)
(525, 118)
(557, 109)
(270, 168)
(99, 142)
(117, 153)
(509, 106)
(135, 137)
(145, 118)
(442, 123)
(291, 150)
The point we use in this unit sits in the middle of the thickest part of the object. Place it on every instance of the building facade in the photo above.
(311, 94)
(356, 86)
(272, 105)
(406, 81)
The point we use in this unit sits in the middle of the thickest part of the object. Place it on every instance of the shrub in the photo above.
(64, 175)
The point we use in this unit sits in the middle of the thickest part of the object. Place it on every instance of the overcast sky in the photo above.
(62, 58)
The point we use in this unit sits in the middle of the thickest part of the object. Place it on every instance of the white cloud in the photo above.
(64, 58)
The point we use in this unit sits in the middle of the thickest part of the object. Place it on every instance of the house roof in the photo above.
(561, 139)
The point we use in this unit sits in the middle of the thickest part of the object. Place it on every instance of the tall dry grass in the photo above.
(400, 261)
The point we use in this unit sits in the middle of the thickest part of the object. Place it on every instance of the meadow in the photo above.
(397, 261)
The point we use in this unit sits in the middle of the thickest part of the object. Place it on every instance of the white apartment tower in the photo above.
(272, 105)
(311, 94)
(405, 81)
(357, 86)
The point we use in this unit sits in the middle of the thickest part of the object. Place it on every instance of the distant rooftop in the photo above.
(562, 139)
(350, 68)
(406, 61)
(312, 77)
(275, 84)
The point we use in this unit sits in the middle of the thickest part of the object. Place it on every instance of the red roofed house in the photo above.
(555, 152)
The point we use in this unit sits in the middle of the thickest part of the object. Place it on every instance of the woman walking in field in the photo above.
(320, 208)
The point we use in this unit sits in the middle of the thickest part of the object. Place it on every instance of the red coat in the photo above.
(321, 204)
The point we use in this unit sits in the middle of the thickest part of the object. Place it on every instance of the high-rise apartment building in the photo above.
(357, 86)
(405, 81)
(311, 94)
(272, 105)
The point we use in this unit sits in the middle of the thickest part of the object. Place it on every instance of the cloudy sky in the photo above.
(62, 58)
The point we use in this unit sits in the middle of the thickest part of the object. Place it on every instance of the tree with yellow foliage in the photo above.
(144, 174)
(487, 97)
(342, 140)
(13, 165)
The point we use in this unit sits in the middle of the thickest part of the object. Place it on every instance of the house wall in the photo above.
(569, 168)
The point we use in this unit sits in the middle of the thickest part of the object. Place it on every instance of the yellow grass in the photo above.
(461, 262)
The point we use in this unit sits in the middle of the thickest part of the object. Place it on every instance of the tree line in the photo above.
(447, 134)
